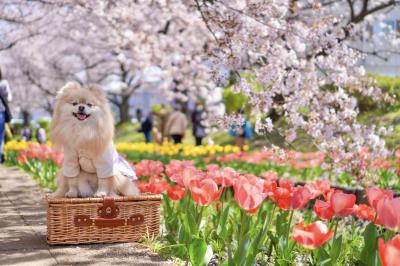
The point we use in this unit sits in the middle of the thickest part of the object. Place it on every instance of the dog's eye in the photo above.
(74, 103)
(89, 104)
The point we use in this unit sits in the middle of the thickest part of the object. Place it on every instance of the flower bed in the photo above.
(233, 217)
(246, 219)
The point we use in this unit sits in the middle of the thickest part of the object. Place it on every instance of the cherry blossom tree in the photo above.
(293, 59)
(302, 69)
(130, 36)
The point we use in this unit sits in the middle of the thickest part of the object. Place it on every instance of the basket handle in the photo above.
(85, 220)
(107, 217)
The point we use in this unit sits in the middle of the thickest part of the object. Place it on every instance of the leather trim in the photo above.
(85, 220)
(108, 210)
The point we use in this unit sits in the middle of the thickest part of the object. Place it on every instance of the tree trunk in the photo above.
(124, 109)
(26, 118)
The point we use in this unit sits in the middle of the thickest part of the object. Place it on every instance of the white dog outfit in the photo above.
(107, 164)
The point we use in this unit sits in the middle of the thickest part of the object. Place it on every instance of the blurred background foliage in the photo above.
(378, 113)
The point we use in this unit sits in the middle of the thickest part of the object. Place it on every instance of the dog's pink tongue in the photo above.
(81, 116)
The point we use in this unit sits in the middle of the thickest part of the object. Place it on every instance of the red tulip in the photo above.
(248, 194)
(298, 198)
(389, 253)
(283, 191)
(397, 153)
(154, 186)
(32, 152)
(191, 173)
(186, 174)
(288, 197)
(21, 158)
(224, 177)
(143, 187)
(389, 213)
(375, 194)
(323, 209)
(364, 212)
(270, 175)
(341, 203)
(176, 192)
(218, 205)
(205, 191)
(269, 187)
(338, 204)
(212, 167)
(149, 168)
(313, 235)
(174, 170)
(318, 188)
(380, 164)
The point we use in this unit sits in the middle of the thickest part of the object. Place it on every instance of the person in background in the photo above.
(241, 132)
(26, 133)
(138, 115)
(5, 115)
(41, 135)
(161, 115)
(146, 127)
(176, 125)
(198, 129)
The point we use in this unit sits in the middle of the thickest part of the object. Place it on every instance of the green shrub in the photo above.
(44, 123)
(390, 85)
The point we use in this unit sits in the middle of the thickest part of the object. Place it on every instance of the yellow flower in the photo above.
(14, 145)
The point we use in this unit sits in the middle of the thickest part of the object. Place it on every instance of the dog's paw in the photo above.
(100, 194)
(86, 193)
(71, 194)
(113, 194)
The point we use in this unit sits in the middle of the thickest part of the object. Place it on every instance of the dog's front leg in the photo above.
(104, 187)
(62, 186)
(72, 187)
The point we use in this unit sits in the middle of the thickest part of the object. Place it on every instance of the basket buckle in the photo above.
(108, 210)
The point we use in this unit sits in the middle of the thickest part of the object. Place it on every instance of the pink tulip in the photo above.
(389, 253)
(149, 168)
(388, 213)
(338, 204)
(312, 236)
(375, 194)
(248, 195)
(204, 192)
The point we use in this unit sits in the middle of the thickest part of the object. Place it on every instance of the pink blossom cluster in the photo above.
(295, 159)
(301, 70)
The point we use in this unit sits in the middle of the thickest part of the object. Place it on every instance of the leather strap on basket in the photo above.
(107, 217)
(108, 210)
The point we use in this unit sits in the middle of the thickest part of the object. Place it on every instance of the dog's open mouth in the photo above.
(81, 116)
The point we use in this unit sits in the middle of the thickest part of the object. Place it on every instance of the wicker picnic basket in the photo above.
(102, 220)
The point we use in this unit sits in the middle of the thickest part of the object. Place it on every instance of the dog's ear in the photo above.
(98, 91)
(70, 86)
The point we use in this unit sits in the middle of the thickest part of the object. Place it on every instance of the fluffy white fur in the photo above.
(91, 131)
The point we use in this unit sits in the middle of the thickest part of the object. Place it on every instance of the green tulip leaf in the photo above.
(199, 252)
(368, 254)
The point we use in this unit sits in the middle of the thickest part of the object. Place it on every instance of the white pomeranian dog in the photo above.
(83, 126)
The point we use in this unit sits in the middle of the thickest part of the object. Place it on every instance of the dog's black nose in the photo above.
(81, 108)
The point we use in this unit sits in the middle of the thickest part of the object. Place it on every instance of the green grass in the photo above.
(128, 132)
(391, 118)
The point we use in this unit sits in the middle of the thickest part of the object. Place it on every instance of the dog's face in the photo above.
(82, 116)
(81, 104)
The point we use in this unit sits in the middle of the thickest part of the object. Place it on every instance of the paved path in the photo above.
(23, 232)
